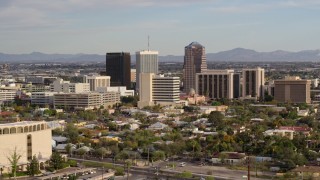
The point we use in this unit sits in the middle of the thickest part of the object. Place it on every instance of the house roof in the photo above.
(295, 128)
(230, 155)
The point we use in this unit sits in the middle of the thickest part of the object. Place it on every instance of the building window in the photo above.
(29, 147)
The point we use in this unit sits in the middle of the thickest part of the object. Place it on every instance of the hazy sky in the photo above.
(99, 26)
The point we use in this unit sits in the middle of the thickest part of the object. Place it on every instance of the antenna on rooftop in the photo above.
(148, 43)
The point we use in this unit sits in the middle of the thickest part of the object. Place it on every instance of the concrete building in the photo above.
(236, 85)
(292, 89)
(158, 90)
(120, 89)
(29, 87)
(60, 85)
(97, 81)
(215, 84)
(133, 75)
(40, 79)
(42, 98)
(194, 62)
(8, 94)
(253, 83)
(146, 62)
(165, 89)
(28, 138)
(85, 100)
(118, 68)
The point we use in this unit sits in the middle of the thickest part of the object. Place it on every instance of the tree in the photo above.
(102, 152)
(14, 160)
(33, 167)
(158, 155)
(56, 161)
(72, 133)
(216, 118)
(68, 149)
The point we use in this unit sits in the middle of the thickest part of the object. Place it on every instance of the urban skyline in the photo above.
(64, 26)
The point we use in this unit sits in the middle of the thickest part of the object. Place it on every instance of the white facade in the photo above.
(146, 62)
(253, 83)
(158, 90)
(86, 100)
(97, 81)
(60, 85)
(42, 98)
(120, 89)
(7, 94)
(215, 84)
(166, 89)
(29, 138)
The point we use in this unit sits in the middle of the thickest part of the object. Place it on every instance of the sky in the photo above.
(100, 26)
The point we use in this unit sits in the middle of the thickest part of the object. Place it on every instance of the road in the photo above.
(201, 171)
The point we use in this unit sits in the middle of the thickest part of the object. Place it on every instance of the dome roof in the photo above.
(194, 44)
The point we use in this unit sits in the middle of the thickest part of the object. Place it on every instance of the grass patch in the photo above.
(119, 170)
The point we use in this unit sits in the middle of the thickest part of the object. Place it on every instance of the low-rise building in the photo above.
(86, 100)
(42, 98)
(27, 138)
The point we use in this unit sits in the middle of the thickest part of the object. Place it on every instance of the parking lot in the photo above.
(65, 175)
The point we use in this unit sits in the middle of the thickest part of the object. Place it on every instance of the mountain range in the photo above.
(234, 55)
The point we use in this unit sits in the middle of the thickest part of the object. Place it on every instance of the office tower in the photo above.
(97, 81)
(158, 90)
(118, 68)
(293, 90)
(146, 62)
(236, 86)
(215, 84)
(194, 62)
(28, 138)
(253, 83)
(165, 89)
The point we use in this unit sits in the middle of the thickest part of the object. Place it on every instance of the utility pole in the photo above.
(148, 155)
(249, 168)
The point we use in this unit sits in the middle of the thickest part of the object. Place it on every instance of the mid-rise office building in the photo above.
(27, 138)
(215, 84)
(118, 68)
(8, 94)
(60, 85)
(158, 90)
(42, 98)
(194, 62)
(97, 81)
(293, 90)
(47, 80)
(146, 62)
(120, 89)
(253, 83)
(86, 100)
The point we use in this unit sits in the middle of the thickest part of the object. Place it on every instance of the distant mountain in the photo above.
(234, 55)
(240, 54)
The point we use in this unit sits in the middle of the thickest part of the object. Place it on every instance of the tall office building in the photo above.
(97, 81)
(158, 90)
(292, 89)
(118, 68)
(215, 84)
(194, 62)
(146, 62)
(253, 83)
